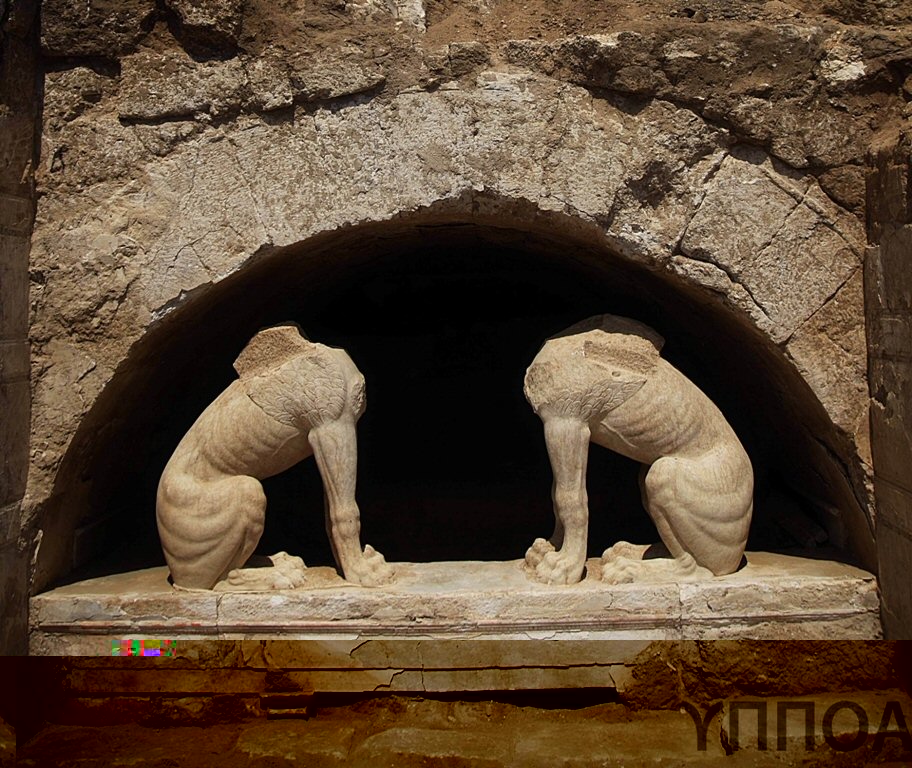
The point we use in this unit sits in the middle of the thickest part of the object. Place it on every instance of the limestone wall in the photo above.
(720, 150)
(19, 81)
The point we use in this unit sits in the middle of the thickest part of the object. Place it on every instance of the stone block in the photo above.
(173, 85)
(141, 604)
(432, 599)
(111, 708)
(14, 427)
(806, 262)
(72, 92)
(792, 248)
(208, 23)
(124, 745)
(830, 350)
(888, 200)
(775, 596)
(822, 601)
(740, 192)
(162, 679)
(17, 149)
(894, 549)
(13, 600)
(9, 523)
(15, 214)
(891, 414)
(464, 57)
(448, 654)
(14, 254)
(334, 74)
(105, 28)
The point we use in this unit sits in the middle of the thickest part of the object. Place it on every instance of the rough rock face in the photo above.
(104, 28)
(721, 146)
(210, 23)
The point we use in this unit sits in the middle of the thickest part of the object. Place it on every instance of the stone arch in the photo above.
(155, 388)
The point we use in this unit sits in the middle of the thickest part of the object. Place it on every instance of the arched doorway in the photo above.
(441, 311)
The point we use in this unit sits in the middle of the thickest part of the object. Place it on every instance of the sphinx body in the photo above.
(604, 381)
(294, 399)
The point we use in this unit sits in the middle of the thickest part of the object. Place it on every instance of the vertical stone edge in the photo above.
(888, 315)
(19, 117)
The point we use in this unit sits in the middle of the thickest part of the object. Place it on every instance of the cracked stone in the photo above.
(830, 350)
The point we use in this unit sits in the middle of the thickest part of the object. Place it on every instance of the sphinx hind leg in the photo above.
(213, 529)
(699, 512)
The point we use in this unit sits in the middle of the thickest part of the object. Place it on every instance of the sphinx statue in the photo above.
(604, 381)
(293, 398)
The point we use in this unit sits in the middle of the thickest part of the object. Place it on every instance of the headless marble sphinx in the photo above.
(603, 380)
(294, 398)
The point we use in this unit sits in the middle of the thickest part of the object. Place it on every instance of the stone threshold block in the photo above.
(773, 597)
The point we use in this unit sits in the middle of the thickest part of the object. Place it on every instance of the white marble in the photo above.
(773, 596)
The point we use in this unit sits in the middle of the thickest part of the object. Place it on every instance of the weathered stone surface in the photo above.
(155, 86)
(334, 74)
(894, 544)
(464, 57)
(14, 400)
(788, 255)
(103, 28)
(71, 92)
(829, 350)
(210, 23)
(14, 583)
(845, 185)
(762, 81)
(490, 600)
